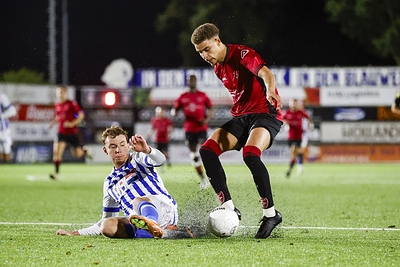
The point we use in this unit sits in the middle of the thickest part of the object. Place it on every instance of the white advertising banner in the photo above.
(32, 131)
(357, 96)
(285, 77)
(360, 132)
(33, 94)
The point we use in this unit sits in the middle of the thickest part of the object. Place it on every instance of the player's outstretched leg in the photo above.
(175, 232)
(146, 224)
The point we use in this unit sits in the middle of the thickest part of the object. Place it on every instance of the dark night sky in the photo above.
(101, 31)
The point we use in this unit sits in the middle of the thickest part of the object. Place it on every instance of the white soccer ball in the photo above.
(223, 222)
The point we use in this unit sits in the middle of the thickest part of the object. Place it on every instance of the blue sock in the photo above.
(148, 210)
(130, 230)
(140, 233)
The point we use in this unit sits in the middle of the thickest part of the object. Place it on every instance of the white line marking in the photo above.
(44, 223)
(283, 227)
(330, 228)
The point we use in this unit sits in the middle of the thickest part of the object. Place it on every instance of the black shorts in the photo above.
(196, 138)
(162, 146)
(72, 139)
(241, 126)
(295, 142)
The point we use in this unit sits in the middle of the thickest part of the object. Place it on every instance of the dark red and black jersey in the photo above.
(238, 73)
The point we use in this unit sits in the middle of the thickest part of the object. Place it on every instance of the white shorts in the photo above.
(5, 141)
(167, 213)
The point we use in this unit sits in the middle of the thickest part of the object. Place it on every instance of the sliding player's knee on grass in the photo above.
(109, 227)
(117, 228)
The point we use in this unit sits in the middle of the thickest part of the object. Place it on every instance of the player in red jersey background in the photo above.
(256, 118)
(294, 117)
(162, 126)
(68, 116)
(198, 111)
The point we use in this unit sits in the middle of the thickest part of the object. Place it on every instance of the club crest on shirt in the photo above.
(243, 53)
(129, 175)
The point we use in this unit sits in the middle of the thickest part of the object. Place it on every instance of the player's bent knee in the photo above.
(109, 227)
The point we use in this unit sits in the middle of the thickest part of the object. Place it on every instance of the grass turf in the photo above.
(333, 215)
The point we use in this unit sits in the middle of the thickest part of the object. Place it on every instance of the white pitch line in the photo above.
(283, 227)
(330, 228)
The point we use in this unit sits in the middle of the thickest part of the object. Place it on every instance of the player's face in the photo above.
(62, 95)
(210, 50)
(118, 149)
(192, 81)
(159, 112)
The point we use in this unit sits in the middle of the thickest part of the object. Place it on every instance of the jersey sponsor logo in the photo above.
(243, 53)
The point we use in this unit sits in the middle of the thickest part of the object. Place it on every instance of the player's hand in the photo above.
(138, 143)
(274, 99)
(68, 124)
(68, 233)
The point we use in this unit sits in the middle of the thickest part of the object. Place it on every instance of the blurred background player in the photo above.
(307, 126)
(293, 118)
(134, 187)
(68, 115)
(7, 110)
(396, 104)
(198, 111)
(162, 126)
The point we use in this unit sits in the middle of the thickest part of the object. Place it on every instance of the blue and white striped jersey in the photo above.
(137, 178)
(7, 110)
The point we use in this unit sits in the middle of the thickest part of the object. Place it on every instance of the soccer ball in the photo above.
(223, 222)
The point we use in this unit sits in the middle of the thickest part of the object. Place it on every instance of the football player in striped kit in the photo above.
(7, 110)
(135, 187)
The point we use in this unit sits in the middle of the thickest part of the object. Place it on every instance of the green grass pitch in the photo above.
(333, 215)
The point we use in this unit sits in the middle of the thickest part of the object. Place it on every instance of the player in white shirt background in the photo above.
(135, 187)
(7, 110)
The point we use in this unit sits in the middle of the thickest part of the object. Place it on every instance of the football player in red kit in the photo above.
(198, 111)
(162, 126)
(256, 118)
(293, 117)
(68, 116)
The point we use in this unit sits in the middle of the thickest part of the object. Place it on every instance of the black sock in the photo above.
(216, 173)
(261, 178)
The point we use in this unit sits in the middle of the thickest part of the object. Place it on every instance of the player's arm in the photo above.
(269, 81)
(150, 132)
(176, 108)
(110, 209)
(139, 144)
(170, 129)
(395, 109)
(76, 121)
(9, 110)
(53, 122)
(92, 230)
(174, 111)
(210, 114)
